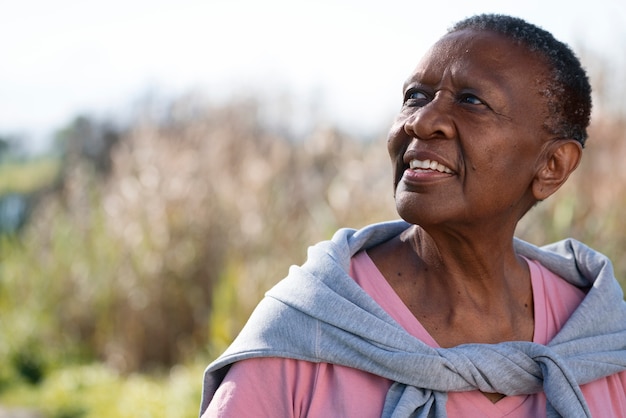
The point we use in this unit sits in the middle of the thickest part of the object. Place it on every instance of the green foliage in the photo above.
(226, 316)
(95, 391)
(29, 365)
(166, 255)
(28, 176)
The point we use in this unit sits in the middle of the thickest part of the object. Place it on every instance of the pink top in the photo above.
(277, 387)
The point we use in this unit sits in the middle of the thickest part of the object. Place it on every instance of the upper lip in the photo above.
(425, 156)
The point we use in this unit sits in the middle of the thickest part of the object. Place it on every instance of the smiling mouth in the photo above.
(429, 165)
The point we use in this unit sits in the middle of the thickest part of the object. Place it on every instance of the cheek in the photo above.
(506, 173)
(396, 139)
(397, 142)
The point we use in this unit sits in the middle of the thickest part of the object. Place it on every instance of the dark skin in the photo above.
(471, 157)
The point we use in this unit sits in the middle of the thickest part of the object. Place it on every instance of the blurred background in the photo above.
(163, 163)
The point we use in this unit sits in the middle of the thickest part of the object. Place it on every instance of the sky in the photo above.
(349, 58)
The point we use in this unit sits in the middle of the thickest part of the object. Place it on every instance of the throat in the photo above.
(458, 296)
(457, 314)
(467, 327)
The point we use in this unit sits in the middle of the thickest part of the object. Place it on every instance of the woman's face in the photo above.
(467, 142)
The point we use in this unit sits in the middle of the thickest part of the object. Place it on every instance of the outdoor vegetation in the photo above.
(142, 248)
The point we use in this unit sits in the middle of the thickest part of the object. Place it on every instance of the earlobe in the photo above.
(560, 159)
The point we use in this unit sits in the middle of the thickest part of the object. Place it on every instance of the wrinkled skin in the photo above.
(474, 104)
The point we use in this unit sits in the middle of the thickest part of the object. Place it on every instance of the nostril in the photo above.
(430, 122)
(409, 126)
(408, 129)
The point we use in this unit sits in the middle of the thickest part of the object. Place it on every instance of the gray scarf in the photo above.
(320, 314)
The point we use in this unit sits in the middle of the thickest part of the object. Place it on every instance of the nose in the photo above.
(431, 121)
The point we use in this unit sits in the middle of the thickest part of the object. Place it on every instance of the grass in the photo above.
(95, 391)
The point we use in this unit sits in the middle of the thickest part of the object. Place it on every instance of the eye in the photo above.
(415, 97)
(471, 99)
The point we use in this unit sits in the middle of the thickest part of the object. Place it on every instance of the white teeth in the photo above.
(429, 164)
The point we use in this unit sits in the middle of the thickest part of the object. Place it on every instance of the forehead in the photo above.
(479, 55)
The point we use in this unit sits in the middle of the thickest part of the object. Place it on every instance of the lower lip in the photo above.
(422, 176)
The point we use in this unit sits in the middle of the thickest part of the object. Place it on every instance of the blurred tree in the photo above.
(22, 177)
(90, 139)
(11, 148)
(5, 146)
(196, 196)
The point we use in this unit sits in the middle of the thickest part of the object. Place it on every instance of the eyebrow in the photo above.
(412, 80)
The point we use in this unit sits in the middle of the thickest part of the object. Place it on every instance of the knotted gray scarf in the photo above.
(319, 314)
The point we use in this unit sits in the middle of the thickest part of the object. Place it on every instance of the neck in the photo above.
(485, 260)
(477, 291)
(462, 287)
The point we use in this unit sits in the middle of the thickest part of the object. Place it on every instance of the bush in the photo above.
(96, 391)
(204, 204)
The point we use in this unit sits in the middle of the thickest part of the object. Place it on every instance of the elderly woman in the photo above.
(445, 312)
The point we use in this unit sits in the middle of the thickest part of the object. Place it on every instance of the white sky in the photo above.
(64, 57)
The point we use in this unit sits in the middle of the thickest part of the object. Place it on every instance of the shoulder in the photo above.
(292, 388)
(262, 382)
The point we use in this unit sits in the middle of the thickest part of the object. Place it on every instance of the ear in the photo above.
(559, 159)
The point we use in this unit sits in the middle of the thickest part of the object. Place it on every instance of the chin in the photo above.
(419, 212)
(409, 212)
